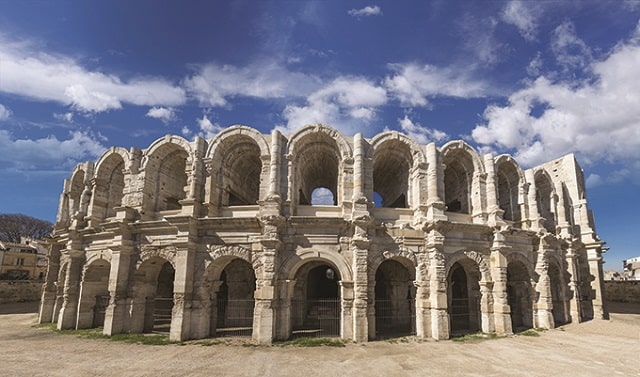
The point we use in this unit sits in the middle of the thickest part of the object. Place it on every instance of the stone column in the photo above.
(493, 209)
(563, 223)
(360, 250)
(274, 172)
(86, 302)
(68, 312)
(98, 204)
(435, 185)
(594, 255)
(544, 306)
(264, 316)
(501, 308)
(533, 213)
(49, 288)
(437, 286)
(347, 320)
(116, 318)
(575, 308)
(423, 304)
(182, 294)
(285, 289)
(486, 307)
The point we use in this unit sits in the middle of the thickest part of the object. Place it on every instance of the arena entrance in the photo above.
(163, 300)
(94, 295)
(394, 300)
(558, 295)
(315, 307)
(235, 302)
(464, 298)
(519, 296)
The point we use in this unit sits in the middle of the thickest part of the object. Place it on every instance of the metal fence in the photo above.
(315, 318)
(395, 317)
(162, 309)
(235, 318)
(99, 310)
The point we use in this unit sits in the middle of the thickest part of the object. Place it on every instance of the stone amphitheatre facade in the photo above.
(224, 237)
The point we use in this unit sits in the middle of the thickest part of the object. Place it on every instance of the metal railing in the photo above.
(162, 309)
(315, 318)
(235, 318)
(395, 317)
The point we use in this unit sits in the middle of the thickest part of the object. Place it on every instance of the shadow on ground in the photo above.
(20, 307)
(623, 307)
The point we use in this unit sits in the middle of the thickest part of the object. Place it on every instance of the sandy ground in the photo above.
(595, 348)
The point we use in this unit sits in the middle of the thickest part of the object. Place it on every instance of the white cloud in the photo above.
(570, 51)
(214, 84)
(5, 113)
(346, 103)
(48, 153)
(535, 66)
(419, 133)
(65, 117)
(165, 114)
(208, 129)
(369, 10)
(523, 17)
(598, 118)
(48, 77)
(413, 84)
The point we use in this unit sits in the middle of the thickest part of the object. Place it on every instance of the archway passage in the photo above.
(163, 301)
(457, 186)
(391, 164)
(464, 298)
(96, 288)
(394, 300)
(558, 295)
(519, 296)
(508, 190)
(544, 197)
(235, 300)
(315, 307)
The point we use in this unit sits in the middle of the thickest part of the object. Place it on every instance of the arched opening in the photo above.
(232, 314)
(558, 294)
(544, 200)
(394, 300)
(317, 164)
(75, 193)
(163, 302)
(315, 307)
(322, 196)
(94, 295)
(508, 190)
(457, 182)
(166, 178)
(110, 186)
(464, 298)
(391, 164)
(519, 296)
(584, 285)
(236, 172)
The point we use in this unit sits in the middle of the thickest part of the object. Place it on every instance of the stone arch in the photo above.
(153, 291)
(545, 198)
(94, 292)
(393, 157)
(165, 166)
(520, 292)
(101, 255)
(318, 154)
(74, 194)
(291, 265)
(509, 181)
(462, 169)
(148, 252)
(478, 259)
(236, 159)
(405, 256)
(220, 255)
(559, 288)
(108, 190)
(465, 271)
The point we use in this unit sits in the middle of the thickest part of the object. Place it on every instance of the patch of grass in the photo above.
(402, 339)
(475, 337)
(312, 342)
(540, 329)
(530, 332)
(209, 343)
(50, 326)
(150, 340)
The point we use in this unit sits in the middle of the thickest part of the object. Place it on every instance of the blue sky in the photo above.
(536, 79)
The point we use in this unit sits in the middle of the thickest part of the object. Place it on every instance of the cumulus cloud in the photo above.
(369, 10)
(165, 114)
(48, 153)
(49, 77)
(570, 51)
(419, 133)
(347, 103)
(65, 117)
(5, 113)
(208, 129)
(414, 84)
(523, 17)
(212, 85)
(598, 118)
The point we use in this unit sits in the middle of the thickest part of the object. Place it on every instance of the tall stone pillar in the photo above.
(493, 209)
(435, 185)
(284, 325)
(544, 305)
(563, 223)
(182, 294)
(68, 312)
(49, 288)
(347, 320)
(437, 286)
(575, 308)
(360, 250)
(594, 255)
(422, 302)
(264, 316)
(487, 323)
(532, 204)
(501, 308)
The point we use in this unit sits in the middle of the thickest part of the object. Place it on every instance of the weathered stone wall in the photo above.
(622, 290)
(19, 291)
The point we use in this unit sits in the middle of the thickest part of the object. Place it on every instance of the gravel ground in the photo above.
(595, 348)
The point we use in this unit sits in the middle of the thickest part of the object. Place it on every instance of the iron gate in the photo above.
(235, 317)
(315, 318)
(395, 317)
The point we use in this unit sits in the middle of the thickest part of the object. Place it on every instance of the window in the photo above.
(19, 261)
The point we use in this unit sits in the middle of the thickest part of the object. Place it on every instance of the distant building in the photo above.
(22, 261)
(631, 268)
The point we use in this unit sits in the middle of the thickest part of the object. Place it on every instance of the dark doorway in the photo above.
(394, 301)
(316, 303)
